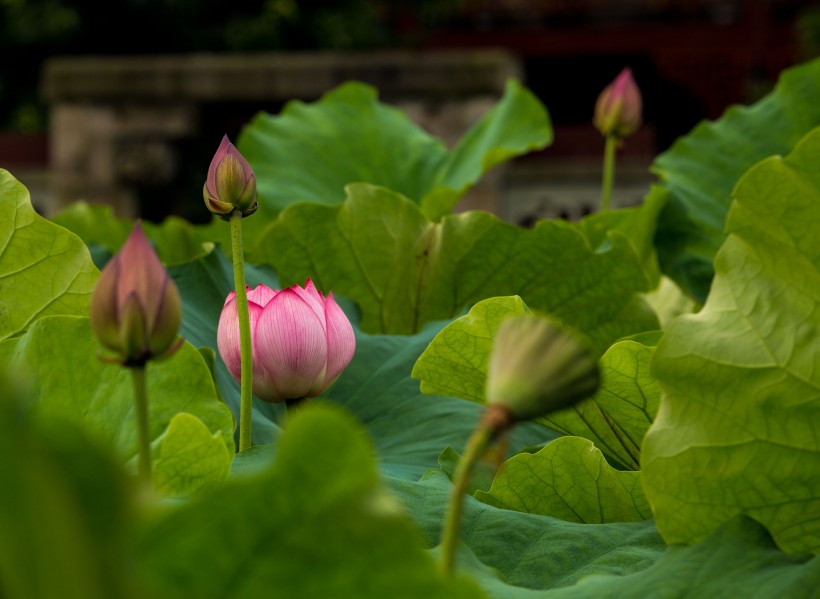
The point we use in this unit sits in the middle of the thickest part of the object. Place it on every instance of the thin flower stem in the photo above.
(143, 428)
(246, 380)
(609, 172)
(476, 446)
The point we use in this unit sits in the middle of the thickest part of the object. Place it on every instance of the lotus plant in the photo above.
(617, 115)
(135, 313)
(302, 341)
(230, 193)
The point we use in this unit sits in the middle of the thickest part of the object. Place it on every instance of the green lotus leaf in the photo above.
(44, 269)
(315, 523)
(175, 240)
(738, 560)
(568, 479)
(637, 224)
(700, 170)
(629, 395)
(483, 472)
(529, 553)
(736, 432)
(310, 152)
(190, 458)
(66, 509)
(403, 270)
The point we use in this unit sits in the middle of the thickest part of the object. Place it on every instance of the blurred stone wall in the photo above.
(117, 122)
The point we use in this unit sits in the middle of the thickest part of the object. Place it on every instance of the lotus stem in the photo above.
(143, 428)
(246, 367)
(477, 444)
(609, 172)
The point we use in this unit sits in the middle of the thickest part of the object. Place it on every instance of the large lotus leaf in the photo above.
(700, 170)
(44, 269)
(737, 428)
(738, 560)
(528, 556)
(403, 270)
(310, 152)
(531, 550)
(65, 513)
(638, 224)
(629, 394)
(175, 240)
(455, 363)
(189, 457)
(669, 301)
(484, 470)
(518, 124)
(59, 354)
(568, 479)
(317, 523)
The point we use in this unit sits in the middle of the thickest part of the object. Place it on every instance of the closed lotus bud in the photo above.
(302, 341)
(231, 184)
(135, 307)
(537, 367)
(618, 109)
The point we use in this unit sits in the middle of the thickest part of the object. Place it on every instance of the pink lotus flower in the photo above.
(618, 109)
(302, 341)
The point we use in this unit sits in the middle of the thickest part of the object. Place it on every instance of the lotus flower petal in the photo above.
(261, 295)
(291, 345)
(341, 342)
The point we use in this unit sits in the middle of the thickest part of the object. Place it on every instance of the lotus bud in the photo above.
(135, 307)
(231, 184)
(537, 367)
(618, 109)
(301, 341)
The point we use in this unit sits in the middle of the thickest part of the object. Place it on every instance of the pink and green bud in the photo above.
(301, 341)
(135, 307)
(537, 367)
(231, 184)
(618, 109)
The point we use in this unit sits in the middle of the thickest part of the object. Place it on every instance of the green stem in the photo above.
(609, 171)
(476, 446)
(246, 380)
(143, 428)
